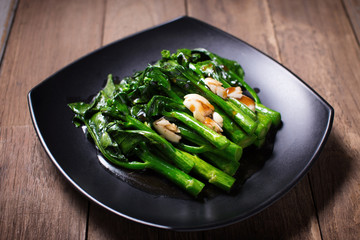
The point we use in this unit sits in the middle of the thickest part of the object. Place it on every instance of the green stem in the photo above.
(229, 167)
(213, 137)
(181, 179)
(193, 149)
(212, 174)
(175, 155)
(239, 104)
(263, 126)
(243, 108)
(233, 131)
(226, 159)
(232, 152)
(272, 114)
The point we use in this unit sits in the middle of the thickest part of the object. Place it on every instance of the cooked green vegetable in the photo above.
(185, 117)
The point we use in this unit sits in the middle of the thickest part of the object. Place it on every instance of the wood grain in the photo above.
(65, 31)
(35, 200)
(7, 11)
(123, 18)
(289, 218)
(318, 40)
(353, 9)
(318, 44)
(247, 20)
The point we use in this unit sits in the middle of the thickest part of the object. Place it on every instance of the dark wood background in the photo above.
(317, 39)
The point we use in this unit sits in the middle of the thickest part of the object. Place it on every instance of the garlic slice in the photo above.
(167, 130)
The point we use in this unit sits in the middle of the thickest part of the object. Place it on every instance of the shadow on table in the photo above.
(328, 177)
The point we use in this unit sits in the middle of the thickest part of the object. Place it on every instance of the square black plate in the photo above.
(307, 120)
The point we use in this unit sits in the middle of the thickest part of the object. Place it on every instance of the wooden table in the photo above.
(317, 40)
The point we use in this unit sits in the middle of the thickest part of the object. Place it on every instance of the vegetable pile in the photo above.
(187, 117)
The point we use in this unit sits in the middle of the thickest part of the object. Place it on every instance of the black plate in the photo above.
(307, 120)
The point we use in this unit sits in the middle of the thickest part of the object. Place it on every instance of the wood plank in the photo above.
(317, 43)
(127, 17)
(7, 11)
(295, 214)
(65, 31)
(122, 19)
(353, 9)
(291, 217)
(247, 20)
(36, 201)
(106, 225)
